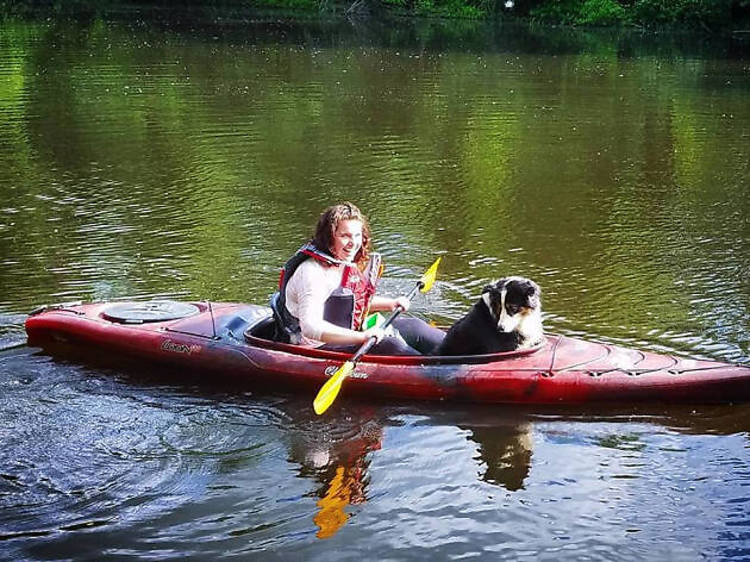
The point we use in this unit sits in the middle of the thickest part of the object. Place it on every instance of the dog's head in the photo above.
(512, 301)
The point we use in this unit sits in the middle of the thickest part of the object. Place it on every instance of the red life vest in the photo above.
(361, 288)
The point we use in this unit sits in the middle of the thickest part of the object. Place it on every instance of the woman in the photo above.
(328, 287)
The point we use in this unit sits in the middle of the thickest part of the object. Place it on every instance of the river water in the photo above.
(187, 154)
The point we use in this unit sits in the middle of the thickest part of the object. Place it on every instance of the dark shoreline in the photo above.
(715, 17)
(246, 26)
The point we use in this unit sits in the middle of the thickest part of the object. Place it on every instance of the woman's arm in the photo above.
(388, 304)
(341, 336)
(309, 288)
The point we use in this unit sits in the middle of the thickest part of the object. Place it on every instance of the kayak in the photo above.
(234, 340)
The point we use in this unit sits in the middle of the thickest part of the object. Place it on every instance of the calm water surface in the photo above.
(187, 156)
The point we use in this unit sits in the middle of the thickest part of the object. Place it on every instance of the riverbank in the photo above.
(708, 15)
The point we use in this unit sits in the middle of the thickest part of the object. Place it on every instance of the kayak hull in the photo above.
(227, 339)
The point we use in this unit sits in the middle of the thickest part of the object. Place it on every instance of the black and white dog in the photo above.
(508, 316)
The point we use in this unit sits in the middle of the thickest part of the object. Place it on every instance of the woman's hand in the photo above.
(402, 302)
(376, 332)
(379, 333)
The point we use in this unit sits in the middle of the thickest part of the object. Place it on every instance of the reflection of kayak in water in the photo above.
(231, 339)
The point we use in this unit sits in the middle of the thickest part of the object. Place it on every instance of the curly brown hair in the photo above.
(328, 223)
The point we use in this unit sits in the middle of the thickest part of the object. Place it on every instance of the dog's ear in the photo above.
(494, 286)
(531, 288)
(532, 292)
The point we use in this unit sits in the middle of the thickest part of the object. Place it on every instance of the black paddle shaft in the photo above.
(399, 309)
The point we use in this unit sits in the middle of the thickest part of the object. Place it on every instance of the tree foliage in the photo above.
(645, 13)
(706, 14)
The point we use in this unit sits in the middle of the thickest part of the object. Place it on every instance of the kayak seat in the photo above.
(287, 326)
(264, 329)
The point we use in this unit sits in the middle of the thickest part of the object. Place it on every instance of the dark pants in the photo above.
(419, 338)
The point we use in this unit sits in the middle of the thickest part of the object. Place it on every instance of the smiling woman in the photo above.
(328, 287)
(347, 240)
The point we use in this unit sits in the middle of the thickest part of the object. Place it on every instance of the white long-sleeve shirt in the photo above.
(306, 293)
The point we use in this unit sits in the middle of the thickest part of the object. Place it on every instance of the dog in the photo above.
(507, 317)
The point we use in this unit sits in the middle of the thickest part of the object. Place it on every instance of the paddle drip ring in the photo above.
(151, 311)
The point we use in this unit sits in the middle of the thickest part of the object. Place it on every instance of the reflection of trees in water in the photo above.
(505, 453)
(339, 463)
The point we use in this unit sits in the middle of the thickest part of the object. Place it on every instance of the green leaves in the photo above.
(646, 13)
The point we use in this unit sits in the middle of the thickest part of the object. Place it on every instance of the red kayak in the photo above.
(232, 340)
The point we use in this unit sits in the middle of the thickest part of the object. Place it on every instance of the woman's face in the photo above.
(347, 240)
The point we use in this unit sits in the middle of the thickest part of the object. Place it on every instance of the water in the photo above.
(187, 155)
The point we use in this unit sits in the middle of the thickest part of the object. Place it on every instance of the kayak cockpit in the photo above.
(263, 329)
(261, 334)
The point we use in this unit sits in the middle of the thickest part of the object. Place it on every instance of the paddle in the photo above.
(328, 392)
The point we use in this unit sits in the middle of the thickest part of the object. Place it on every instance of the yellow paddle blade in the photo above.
(330, 390)
(429, 277)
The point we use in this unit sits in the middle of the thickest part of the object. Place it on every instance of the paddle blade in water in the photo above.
(429, 277)
(328, 392)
